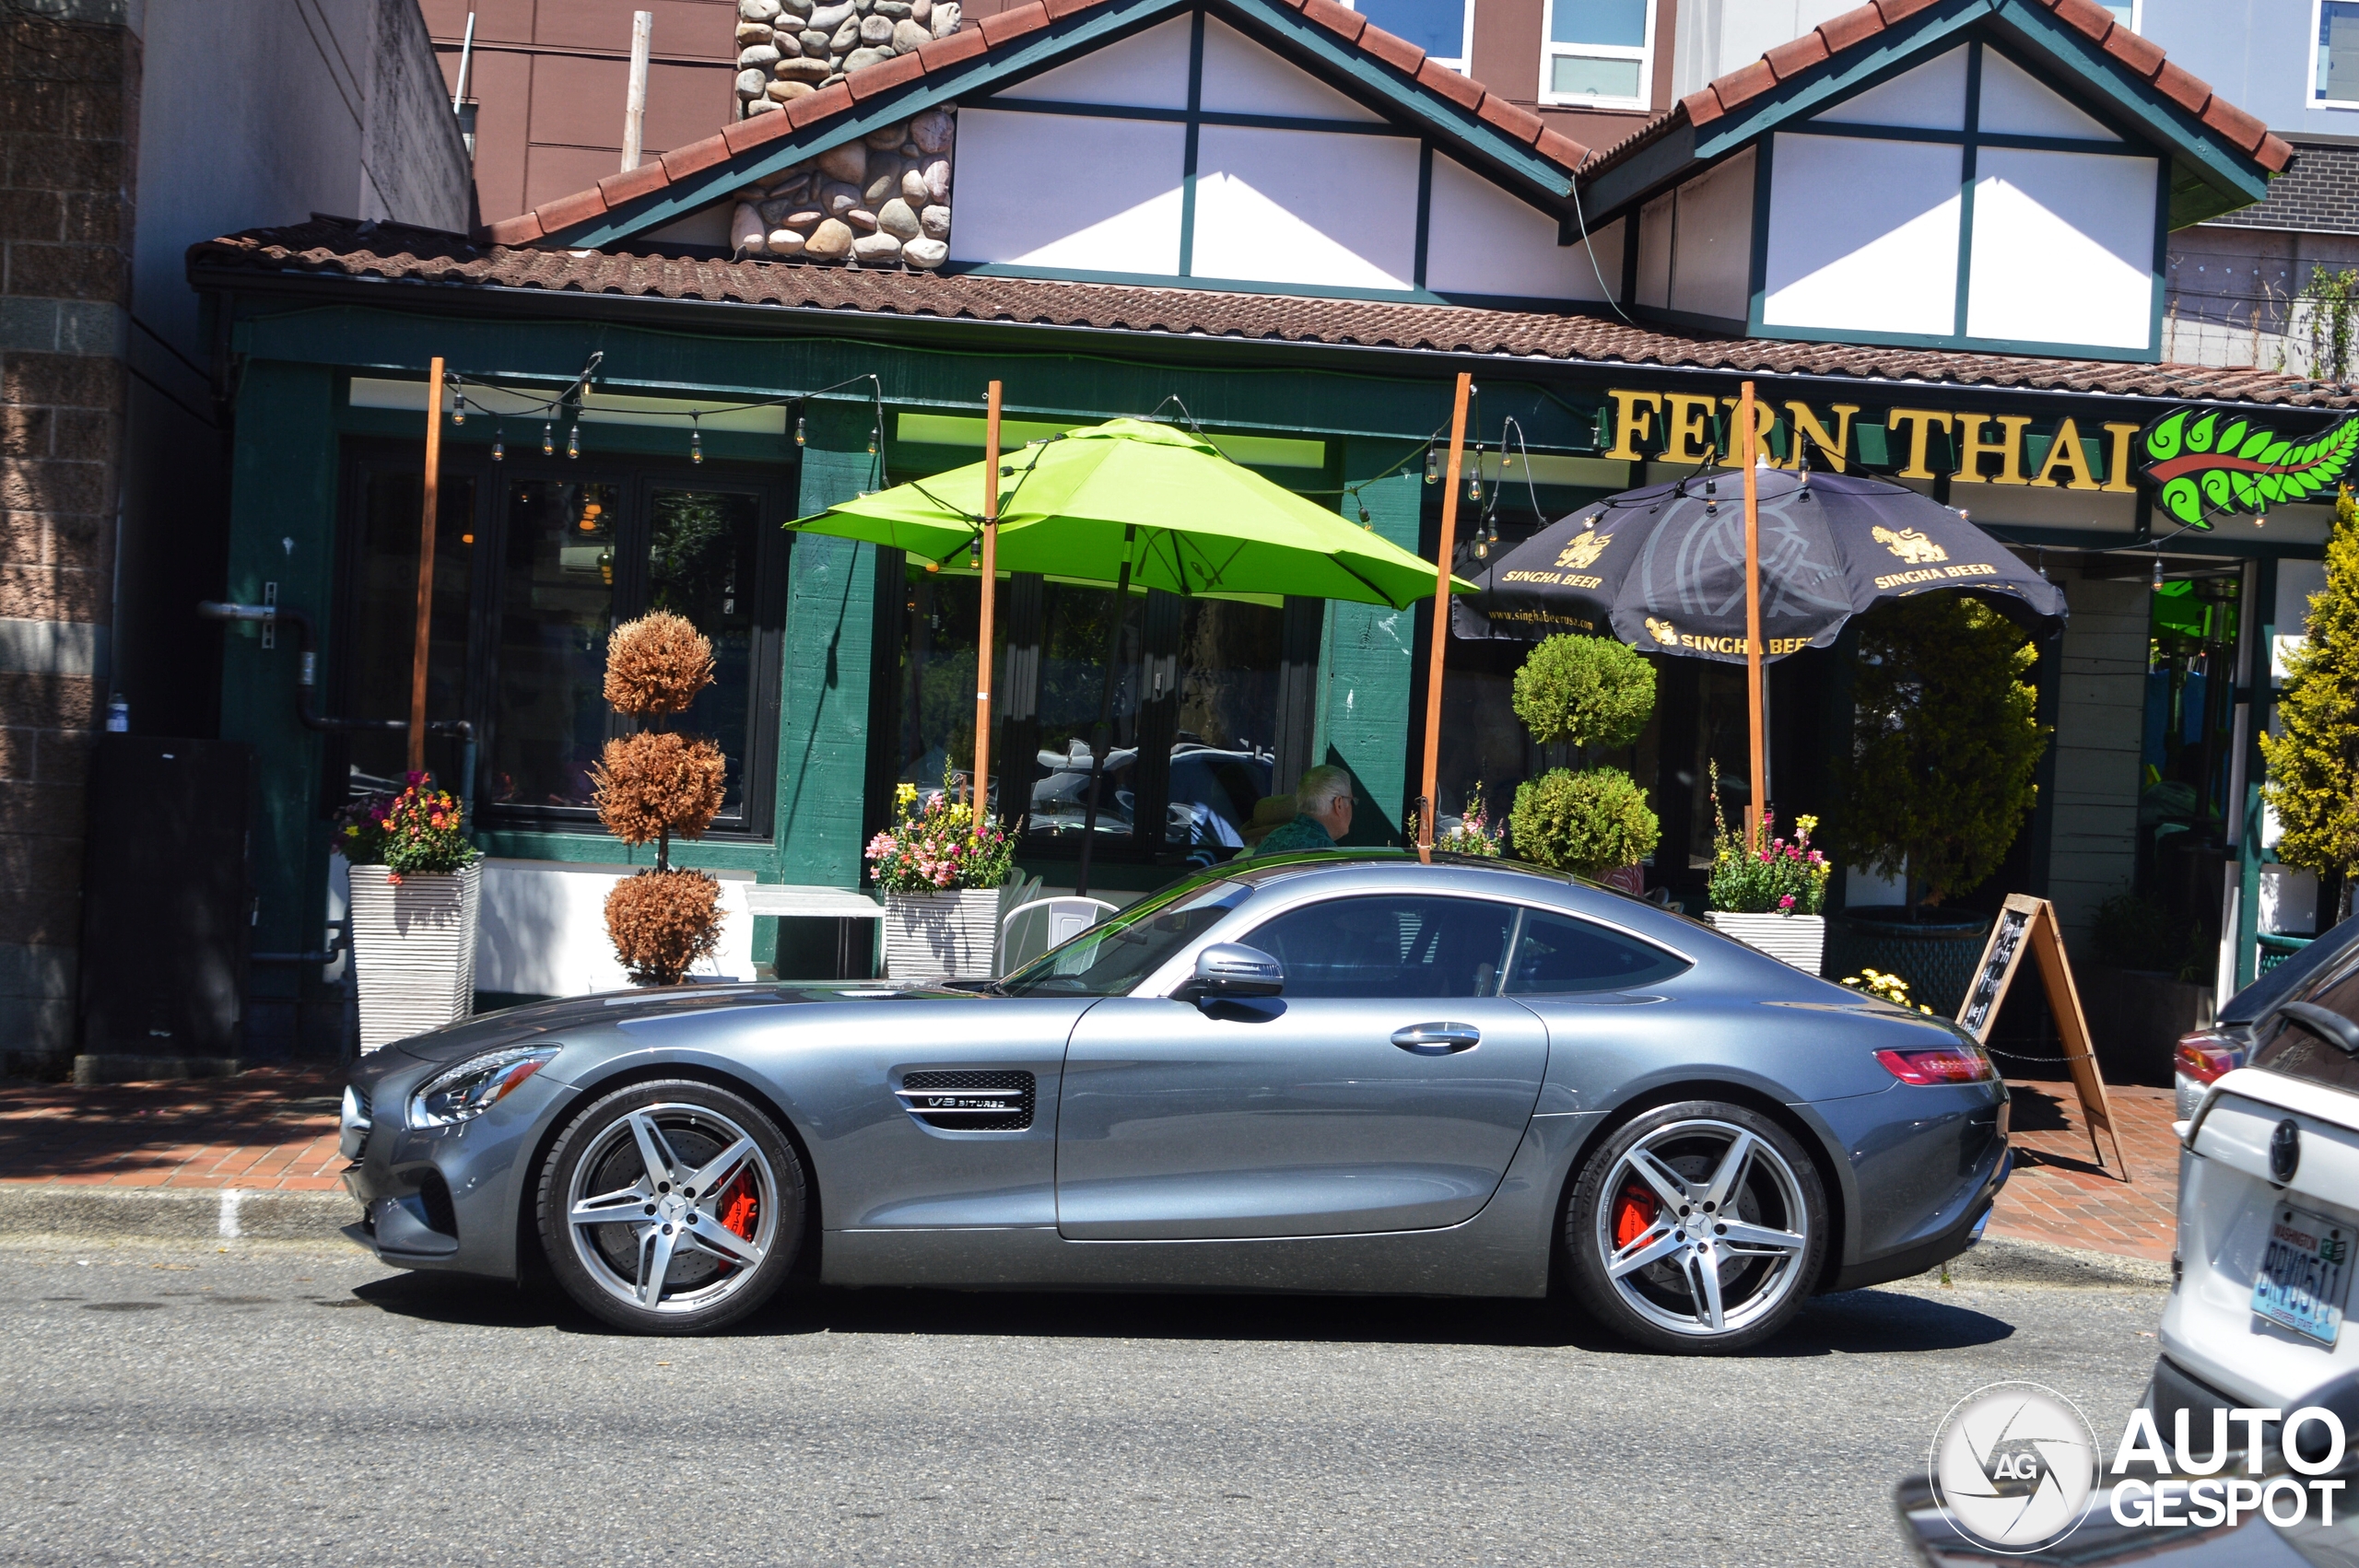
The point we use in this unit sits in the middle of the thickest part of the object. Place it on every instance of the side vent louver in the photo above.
(969, 1102)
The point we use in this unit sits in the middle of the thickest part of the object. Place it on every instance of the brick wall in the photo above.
(2320, 194)
(66, 214)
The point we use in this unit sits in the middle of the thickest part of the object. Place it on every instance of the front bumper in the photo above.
(444, 1198)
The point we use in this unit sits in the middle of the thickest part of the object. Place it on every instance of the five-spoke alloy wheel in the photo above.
(672, 1208)
(1697, 1228)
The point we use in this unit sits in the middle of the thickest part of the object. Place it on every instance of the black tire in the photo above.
(1621, 1216)
(714, 1254)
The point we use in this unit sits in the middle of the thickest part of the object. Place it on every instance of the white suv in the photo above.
(2267, 1213)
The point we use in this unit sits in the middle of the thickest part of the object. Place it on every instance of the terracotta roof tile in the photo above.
(752, 132)
(1397, 52)
(1066, 7)
(520, 230)
(648, 178)
(1338, 19)
(1900, 10)
(883, 77)
(1015, 22)
(964, 44)
(1795, 55)
(1701, 107)
(2143, 55)
(2085, 16)
(566, 211)
(2183, 87)
(2274, 154)
(1744, 84)
(812, 108)
(681, 162)
(338, 249)
(1464, 92)
(1559, 149)
(1512, 118)
(1841, 32)
(2239, 128)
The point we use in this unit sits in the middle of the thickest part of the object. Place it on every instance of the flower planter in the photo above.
(933, 936)
(414, 950)
(1800, 940)
(1936, 954)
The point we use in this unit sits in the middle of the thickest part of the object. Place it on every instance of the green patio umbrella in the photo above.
(1146, 504)
(1134, 504)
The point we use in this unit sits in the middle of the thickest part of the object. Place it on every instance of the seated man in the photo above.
(1323, 813)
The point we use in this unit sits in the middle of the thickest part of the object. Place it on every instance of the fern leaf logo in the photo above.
(2201, 462)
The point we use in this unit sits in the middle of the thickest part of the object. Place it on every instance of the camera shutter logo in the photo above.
(2015, 1467)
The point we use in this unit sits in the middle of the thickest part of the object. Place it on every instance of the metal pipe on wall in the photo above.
(642, 27)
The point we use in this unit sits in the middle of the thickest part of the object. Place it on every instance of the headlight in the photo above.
(473, 1087)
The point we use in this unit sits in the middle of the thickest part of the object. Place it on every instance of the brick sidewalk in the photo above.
(267, 1129)
(276, 1130)
(2059, 1194)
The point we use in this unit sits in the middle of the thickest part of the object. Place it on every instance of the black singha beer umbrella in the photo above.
(1663, 567)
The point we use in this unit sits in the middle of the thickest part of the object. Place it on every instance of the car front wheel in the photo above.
(672, 1208)
(1697, 1228)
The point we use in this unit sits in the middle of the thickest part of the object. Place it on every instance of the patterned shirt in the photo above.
(1305, 832)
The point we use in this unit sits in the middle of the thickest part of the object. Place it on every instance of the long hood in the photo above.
(509, 1026)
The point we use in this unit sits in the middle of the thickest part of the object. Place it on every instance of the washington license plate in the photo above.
(2304, 1274)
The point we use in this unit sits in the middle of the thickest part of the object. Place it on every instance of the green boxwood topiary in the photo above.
(1589, 823)
(1591, 690)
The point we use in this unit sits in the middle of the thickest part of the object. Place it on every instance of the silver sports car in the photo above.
(1319, 1072)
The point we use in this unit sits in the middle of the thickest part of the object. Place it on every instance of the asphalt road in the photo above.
(296, 1404)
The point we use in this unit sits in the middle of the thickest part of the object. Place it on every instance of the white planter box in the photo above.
(414, 950)
(933, 936)
(1800, 940)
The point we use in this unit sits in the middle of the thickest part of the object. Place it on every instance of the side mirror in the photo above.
(1229, 969)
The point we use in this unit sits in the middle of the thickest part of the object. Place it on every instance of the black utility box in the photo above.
(167, 902)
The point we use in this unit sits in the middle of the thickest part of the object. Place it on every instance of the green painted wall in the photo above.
(1367, 656)
(283, 506)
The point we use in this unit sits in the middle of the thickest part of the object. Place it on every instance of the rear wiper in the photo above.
(2326, 1024)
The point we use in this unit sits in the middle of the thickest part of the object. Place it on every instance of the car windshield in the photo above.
(1109, 960)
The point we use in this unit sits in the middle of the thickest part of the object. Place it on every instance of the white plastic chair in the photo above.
(1051, 920)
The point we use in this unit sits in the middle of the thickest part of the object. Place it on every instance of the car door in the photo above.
(1386, 1089)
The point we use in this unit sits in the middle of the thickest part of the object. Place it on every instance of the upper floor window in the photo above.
(2335, 76)
(1443, 28)
(1599, 53)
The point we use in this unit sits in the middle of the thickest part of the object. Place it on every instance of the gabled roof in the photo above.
(1389, 73)
(386, 264)
(2223, 156)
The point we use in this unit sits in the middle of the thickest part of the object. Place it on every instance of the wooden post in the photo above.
(425, 565)
(643, 26)
(1759, 804)
(981, 790)
(1434, 659)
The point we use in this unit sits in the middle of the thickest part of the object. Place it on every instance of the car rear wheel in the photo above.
(1697, 1228)
(672, 1208)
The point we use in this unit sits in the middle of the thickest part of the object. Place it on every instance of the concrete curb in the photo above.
(227, 1214)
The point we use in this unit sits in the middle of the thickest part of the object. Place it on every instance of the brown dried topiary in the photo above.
(654, 786)
(662, 921)
(657, 665)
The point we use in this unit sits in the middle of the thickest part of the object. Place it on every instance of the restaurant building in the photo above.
(1932, 232)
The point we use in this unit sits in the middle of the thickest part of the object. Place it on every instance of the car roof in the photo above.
(1259, 869)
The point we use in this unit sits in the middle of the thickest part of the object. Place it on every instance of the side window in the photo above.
(1557, 954)
(1390, 945)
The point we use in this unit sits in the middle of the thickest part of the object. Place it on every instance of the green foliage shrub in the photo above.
(1589, 823)
(2313, 780)
(1591, 691)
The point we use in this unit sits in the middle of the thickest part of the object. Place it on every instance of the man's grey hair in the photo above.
(1320, 785)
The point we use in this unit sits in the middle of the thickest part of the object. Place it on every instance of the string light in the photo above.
(548, 440)
(1433, 464)
(1366, 521)
(696, 441)
(499, 447)
(1474, 475)
(799, 438)
(459, 409)
(573, 440)
(872, 441)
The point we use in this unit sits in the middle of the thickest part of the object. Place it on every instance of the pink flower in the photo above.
(1787, 902)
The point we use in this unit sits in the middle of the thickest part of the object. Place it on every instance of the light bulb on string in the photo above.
(696, 441)
(548, 440)
(2158, 571)
(459, 409)
(1474, 475)
(1433, 464)
(573, 440)
(872, 441)
(975, 551)
(1366, 521)
(799, 437)
(499, 447)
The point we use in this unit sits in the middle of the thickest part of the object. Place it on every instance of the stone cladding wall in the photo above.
(788, 48)
(880, 201)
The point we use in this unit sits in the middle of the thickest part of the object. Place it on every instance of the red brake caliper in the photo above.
(1634, 1212)
(739, 1209)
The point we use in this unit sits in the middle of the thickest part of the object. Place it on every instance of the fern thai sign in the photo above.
(2205, 463)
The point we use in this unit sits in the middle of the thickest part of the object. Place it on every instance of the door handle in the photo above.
(1437, 1039)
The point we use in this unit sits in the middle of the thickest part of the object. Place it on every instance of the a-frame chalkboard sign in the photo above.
(2027, 921)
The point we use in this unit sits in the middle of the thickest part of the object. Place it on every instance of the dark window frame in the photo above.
(638, 477)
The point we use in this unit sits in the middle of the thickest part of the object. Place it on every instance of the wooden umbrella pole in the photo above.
(981, 788)
(1746, 444)
(1441, 619)
(425, 565)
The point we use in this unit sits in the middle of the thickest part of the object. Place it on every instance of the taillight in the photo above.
(2206, 1054)
(1949, 1064)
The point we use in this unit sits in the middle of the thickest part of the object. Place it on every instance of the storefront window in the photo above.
(383, 614)
(557, 606)
(701, 564)
(1077, 626)
(1221, 763)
